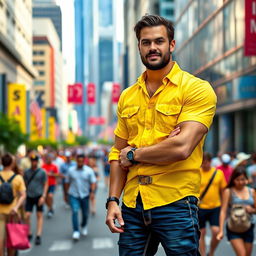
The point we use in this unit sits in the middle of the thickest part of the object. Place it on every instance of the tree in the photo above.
(11, 136)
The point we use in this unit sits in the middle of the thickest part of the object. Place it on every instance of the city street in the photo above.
(57, 240)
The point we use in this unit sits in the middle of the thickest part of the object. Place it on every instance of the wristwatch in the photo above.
(112, 198)
(130, 156)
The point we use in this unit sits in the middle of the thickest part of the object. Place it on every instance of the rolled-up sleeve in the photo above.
(113, 154)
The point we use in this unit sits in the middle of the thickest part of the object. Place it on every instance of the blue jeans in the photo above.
(175, 226)
(76, 203)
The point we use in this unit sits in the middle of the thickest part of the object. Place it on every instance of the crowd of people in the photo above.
(33, 179)
(228, 194)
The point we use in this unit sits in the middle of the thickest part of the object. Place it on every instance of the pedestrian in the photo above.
(242, 159)
(52, 173)
(92, 162)
(64, 171)
(81, 182)
(238, 194)
(10, 209)
(213, 183)
(251, 170)
(158, 173)
(106, 169)
(37, 187)
(225, 166)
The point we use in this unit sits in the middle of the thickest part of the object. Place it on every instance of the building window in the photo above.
(169, 12)
(41, 73)
(39, 82)
(38, 63)
(40, 53)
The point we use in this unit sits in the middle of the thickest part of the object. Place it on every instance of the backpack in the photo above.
(239, 220)
(6, 192)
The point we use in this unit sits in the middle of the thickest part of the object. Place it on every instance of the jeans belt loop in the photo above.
(144, 180)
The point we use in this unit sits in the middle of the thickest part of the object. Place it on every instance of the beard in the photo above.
(163, 62)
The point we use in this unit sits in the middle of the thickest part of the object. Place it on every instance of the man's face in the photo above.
(34, 164)
(80, 161)
(155, 48)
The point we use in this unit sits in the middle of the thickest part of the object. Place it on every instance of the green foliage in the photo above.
(64, 143)
(82, 140)
(11, 136)
(105, 142)
(45, 143)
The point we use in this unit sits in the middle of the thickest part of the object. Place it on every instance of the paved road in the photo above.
(57, 234)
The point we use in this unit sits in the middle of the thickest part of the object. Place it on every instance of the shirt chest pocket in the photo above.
(166, 117)
(130, 115)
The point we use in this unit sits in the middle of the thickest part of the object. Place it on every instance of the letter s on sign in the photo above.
(16, 94)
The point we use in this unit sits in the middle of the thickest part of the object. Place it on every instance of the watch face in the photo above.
(130, 155)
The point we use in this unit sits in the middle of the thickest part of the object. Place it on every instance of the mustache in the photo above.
(153, 53)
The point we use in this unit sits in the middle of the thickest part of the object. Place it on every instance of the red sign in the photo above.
(96, 120)
(75, 93)
(91, 93)
(250, 28)
(115, 92)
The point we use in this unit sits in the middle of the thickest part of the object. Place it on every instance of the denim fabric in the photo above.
(76, 204)
(175, 226)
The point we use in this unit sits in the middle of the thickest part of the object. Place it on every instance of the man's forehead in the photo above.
(153, 32)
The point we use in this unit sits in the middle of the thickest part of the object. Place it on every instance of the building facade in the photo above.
(16, 50)
(210, 44)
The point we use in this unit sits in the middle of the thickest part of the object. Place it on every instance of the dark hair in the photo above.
(238, 171)
(207, 156)
(80, 156)
(7, 160)
(152, 21)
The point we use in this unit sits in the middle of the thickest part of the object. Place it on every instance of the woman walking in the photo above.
(240, 199)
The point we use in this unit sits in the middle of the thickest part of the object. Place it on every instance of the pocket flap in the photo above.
(168, 110)
(129, 111)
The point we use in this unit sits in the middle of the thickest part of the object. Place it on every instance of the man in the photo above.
(37, 186)
(161, 179)
(64, 171)
(19, 193)
(81, 182)
(52, 173)
(225, 167)
(209, 208)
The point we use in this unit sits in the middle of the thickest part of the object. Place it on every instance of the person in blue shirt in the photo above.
(81, 182)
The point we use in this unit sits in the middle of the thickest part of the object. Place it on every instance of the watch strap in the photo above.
(110, 199)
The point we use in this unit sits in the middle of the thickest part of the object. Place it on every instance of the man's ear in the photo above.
(172, 46)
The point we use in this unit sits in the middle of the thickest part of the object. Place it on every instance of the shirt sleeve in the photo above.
(223, 182)
(199, 104)
(113, 154)
(93, 178)
(121, 128)
(21, 184)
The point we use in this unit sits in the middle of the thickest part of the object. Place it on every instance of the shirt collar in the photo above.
(173, 76)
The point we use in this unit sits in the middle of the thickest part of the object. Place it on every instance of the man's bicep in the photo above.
(192, 133)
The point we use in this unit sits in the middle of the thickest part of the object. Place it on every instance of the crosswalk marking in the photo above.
(61, 245)
(102, 243)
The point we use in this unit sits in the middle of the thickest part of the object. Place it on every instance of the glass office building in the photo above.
(210, 45)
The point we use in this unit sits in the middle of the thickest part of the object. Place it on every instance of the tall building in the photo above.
(210, 44)
(16, 49)
(49, 9)
(47, 59)
(167, 9)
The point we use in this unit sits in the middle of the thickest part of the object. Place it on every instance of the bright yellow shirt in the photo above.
(212, 198)
(18, 185)
(145, 121)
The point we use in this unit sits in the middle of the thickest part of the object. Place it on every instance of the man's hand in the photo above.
(92, 196)
(14, 211)
(41, 201)
(123, 161)
(113, 214)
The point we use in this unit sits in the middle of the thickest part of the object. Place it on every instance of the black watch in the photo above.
(112, 198)
(130, 156)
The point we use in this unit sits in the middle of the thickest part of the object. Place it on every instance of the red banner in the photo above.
(91, 90)
(75, 93)
(96, 120)
(250, 28)
(115, 92)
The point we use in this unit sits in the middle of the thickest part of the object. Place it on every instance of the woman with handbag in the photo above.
(12, 196)
(238, 204)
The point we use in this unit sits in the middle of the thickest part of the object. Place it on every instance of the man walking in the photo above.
(213, 183)
(81, 181)
(37, 186)
(160, 174)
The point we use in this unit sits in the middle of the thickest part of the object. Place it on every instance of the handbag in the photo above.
(17, 236)
(239, 220)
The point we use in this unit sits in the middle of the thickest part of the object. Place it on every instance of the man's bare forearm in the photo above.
(117, 179)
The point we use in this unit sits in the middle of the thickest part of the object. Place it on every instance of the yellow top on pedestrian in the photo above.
(145, 121)
(212, 198)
